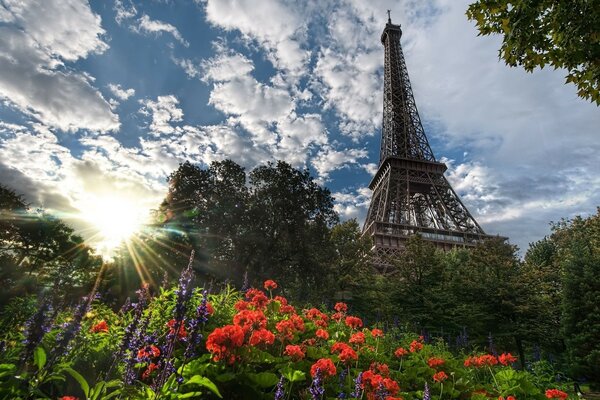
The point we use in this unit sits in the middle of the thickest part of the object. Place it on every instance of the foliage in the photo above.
(563, 34)
(249, 345)
(39, 251)
(578, 243)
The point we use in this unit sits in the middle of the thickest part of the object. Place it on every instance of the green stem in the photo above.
(494, 377)
(441, 389)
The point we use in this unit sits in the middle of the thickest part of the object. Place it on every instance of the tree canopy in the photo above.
(563, 34)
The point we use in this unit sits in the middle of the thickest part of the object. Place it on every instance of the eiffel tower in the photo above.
(410, 193)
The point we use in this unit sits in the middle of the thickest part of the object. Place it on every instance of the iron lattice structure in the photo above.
(410, 193)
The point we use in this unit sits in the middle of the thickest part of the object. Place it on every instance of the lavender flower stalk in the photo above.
(342, 378)
(184, 294)
(195, 325)
(426, 392)
(35, 328)
(357, 387)
(381, 393)
(316, 389)
(491, 347)
(279, 389)
(70, 330)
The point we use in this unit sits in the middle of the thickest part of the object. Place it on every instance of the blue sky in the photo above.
(104, 99)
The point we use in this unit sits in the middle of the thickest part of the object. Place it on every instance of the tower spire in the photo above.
(410, 193)
(389, 16)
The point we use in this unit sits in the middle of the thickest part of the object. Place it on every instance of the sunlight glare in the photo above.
(115, 219)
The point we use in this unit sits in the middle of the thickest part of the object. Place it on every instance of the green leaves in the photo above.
(546, 32)
(203, 381)
(39, 357)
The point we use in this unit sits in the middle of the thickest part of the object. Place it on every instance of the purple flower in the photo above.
(342, 378)
(35, 328)
(316, 389)
(381, 393)
(70, 330)
(357, 386)
(426, 392)
(279, 389)
(195, 325)
(491, 347)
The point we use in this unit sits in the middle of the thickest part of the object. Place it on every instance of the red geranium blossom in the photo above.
(282, 300)
(400, 352)
(325, 367)
(434, 362)
(286, 329)
(241, 305)
(377, 333)
(223, 341)
(507, 398)
(250, 293)
(556, 394)
(294, 352)
(357, 338)
(250, 320)
(506, 358)
(68, 398)
(322, 334)
(340, 307)
(440, 376)
(259, 300)
(270, 284)
(380, 368)
(337, 317)
(415, 346)
(181, 332)
(101, 326)
(261, 336)
(151, 368)
(287, 309)
(209, 309)
(346, 353)
(147, 352)
(354, 322)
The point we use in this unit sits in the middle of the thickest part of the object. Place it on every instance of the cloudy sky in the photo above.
(100, 101)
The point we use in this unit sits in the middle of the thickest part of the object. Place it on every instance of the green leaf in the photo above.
(204, 382)
(79, 378)
(39, 357)
(293, 375)
(264, 379)
(190, 394)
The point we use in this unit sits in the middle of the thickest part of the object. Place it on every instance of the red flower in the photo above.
(261, 336)
(282, 300)
(68, 398)
(371, 380)
(181, 332)
(325, 367)
(341, 307)
(391, 386)
(377, 333)
(250, 293)
(353, 322)
(506, 358)
(286, 329)
(148, 352)
(260, 300)
(209, 309)
(223, 341)
(337, 317)
(287, 309)
(380, 368)
(435, 362)
(400, 352)
(507, 398)
(298, 322)
(440, 376)
(250, 320)
(486, 359)
(556, 394)
(294, 352)
(270, 284)
(322, 334)
(321, 323)
(101, 326)
(357, 338)
(415, 346)
(151, 368)
(241, 305)
(348, 355)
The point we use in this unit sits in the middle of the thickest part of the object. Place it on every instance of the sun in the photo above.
(113, 220)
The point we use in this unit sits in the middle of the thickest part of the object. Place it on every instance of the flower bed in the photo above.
(185, 343)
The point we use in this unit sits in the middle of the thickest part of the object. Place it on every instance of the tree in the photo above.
(38, 251)
(578, 243)
(563, 34)
(272, 222)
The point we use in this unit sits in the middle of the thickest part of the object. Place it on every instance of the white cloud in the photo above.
(278, 26)
(164, 111)
(119, 92)
(226, 66)
(329, 159)
(34, 46)
(147, 25)
(189, 67)
(124, 12)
